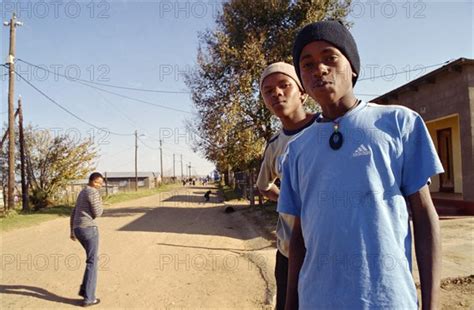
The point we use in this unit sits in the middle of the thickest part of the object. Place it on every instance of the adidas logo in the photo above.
(362, 150)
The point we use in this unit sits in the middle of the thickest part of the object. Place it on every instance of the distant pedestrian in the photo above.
(207, 195)
(84, 228)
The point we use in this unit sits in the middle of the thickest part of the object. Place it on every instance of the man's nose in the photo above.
(277, 91)
(320, 69)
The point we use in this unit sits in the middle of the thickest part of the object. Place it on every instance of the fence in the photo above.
(245, 185)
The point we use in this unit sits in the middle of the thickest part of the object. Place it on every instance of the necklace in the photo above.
(336, 139)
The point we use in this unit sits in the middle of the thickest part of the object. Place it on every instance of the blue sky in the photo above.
(150, 44)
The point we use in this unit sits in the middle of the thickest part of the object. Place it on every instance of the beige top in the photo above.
(269, 172)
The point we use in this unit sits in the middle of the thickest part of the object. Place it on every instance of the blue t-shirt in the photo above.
(351, 202)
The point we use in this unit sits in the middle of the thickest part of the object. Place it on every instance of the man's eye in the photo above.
(331, 58)
(308, 65)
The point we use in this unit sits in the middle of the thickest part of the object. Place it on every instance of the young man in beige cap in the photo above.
(284, 97)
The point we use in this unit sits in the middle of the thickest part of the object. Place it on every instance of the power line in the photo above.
(134, 99)
(148, 146)
(175, 145)
(109, 85)
(125, 116)
(400, 72)
(366, 95)
(69, 112)
(87, 83)
(114, 155)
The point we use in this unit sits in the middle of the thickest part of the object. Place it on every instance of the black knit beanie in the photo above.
(333, 32)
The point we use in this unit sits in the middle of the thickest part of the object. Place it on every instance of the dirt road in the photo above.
(170, 250)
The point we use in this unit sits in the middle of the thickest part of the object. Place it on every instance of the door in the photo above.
(445, 149)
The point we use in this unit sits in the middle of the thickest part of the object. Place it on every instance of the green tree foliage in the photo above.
(232, 120)
(52, 162)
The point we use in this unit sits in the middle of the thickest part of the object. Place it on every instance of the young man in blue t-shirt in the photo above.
(349, 180)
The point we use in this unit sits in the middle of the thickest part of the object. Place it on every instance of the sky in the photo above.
(151, 45)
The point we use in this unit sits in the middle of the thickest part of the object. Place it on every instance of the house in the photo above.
(445, 100)
(126, 180)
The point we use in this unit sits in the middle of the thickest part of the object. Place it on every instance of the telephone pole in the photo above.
(24, 181)
(136, 160)
(174, 167)
(182, 175)
(13, 23)
(161, 161)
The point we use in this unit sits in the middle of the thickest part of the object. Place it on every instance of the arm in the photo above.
(95, 203)
(427, 246)
(273, 193)
(71, 222)
(295, 261)
(267, 176)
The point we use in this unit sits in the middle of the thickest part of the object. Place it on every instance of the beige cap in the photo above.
(280, 67)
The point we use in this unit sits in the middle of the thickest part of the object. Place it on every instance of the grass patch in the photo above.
(229, 193)
(125, 196)
(268, 210)
(18, 219)
(264, 216)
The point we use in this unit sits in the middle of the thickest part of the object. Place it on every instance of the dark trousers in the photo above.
(281, 276)
(89, 239)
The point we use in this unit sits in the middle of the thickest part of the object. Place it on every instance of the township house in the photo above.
(115, 182)
(445, 100)
(126, 180)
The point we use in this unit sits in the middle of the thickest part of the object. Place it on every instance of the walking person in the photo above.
(207, 195)
(350, 180)
(84, 228)
(284, 97)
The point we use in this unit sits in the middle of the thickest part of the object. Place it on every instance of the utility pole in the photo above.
(136, 160)
(189, 169)
(174, 167)
(161, 161)
(24, 182)
(106, 185)
(11, 111)
(11, 117)
(182, 175)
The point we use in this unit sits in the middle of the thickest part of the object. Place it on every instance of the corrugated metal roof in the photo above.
(454, 65)
(142, 174)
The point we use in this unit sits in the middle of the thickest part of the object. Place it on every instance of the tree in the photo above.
(232, 120)
(54, 161)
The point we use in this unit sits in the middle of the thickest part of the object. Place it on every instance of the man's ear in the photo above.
(303, 97)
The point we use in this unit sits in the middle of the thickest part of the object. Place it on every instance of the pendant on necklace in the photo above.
(336, 139)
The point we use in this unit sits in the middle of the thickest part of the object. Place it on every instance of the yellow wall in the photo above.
(453, 123)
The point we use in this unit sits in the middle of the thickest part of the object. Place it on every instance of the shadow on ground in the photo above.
(37, 292)
(188, 215)
(128, 211)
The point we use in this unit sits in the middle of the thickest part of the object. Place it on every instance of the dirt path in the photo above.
(165, 251)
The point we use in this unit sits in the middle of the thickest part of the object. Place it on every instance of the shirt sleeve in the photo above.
(267, 174)
(420, 159)
(289, 201)
(95, 203)
(71, 220)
